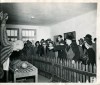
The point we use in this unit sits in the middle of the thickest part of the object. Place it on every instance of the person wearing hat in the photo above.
(72, 49)
(36, 50)
(60, 48)
(60, 40)
(90, 52)
(51, 50)
(82, 49)
(81, 43)
(44, 51)
(6, 47)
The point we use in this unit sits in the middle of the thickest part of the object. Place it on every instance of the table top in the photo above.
(18, 67)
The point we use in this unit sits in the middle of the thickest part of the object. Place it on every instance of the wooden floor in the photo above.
(41, 79)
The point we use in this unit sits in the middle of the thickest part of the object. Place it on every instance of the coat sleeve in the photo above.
(4, 37)
(7, 47)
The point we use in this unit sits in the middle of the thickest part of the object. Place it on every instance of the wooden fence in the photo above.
(63, 70)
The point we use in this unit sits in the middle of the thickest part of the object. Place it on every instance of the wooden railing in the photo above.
(63, 70)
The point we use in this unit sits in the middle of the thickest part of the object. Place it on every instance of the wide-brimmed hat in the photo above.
(81, 40)
(69, 37)
(88, 39)
(88, 36)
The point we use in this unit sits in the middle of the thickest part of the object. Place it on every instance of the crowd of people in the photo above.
(67, 48)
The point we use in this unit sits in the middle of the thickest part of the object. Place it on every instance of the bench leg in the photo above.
(36, 78)
(14, 79)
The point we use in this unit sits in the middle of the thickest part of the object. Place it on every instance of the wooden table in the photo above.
(22, 73)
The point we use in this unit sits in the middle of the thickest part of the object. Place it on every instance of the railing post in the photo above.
(61, 69)
(53, 70)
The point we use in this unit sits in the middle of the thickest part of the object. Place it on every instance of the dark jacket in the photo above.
(51, 53)
(91, 56)
(75, 49)
(42, 51)
(61, 51)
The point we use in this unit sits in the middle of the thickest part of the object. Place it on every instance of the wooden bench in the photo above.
(19, 72)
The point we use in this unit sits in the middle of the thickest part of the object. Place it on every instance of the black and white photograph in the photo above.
(48, 42)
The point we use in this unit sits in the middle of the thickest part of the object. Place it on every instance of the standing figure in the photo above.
(60, 48)
(72, 50)
(90, 52)
(51, 50)
(7, 47)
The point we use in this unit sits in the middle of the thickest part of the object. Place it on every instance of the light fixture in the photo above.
(32, 17)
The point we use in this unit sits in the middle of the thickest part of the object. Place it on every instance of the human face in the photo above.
(68, 41)
(80, 42)
(50, 45)
(86, 45)
(59, 39)
(44, 44)
(37, 44)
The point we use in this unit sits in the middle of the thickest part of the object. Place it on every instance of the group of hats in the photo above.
(87, 38)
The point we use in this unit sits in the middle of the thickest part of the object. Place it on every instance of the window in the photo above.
(28, 34)
(13, 34)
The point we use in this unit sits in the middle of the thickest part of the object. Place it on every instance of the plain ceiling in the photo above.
(44, 13)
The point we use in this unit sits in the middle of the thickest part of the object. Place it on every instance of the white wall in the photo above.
(83, 24)
(41, 31)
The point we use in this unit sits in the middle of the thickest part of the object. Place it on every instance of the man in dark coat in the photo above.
(72, 50)
(90, 52)
(60, 48)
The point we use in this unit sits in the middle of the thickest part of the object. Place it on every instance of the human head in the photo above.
(37, 43)
(48, 40)
(88, 37)
(59, 38)
(68, 40)
(44, 43)
(42, 40)
(3, 17)
(81, 41)
(50, 44)
(88, 41)
(18, 45)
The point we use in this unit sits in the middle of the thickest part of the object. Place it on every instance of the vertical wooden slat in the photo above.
(67, 64)
(87, 70)
(64, 74)
(90, 68)
(94, 68)
(61, 72)
(61, 64)
(67, 75)
(77, 77)
(83, 76)
(69, 71)
(75, 72)
(57, 72)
